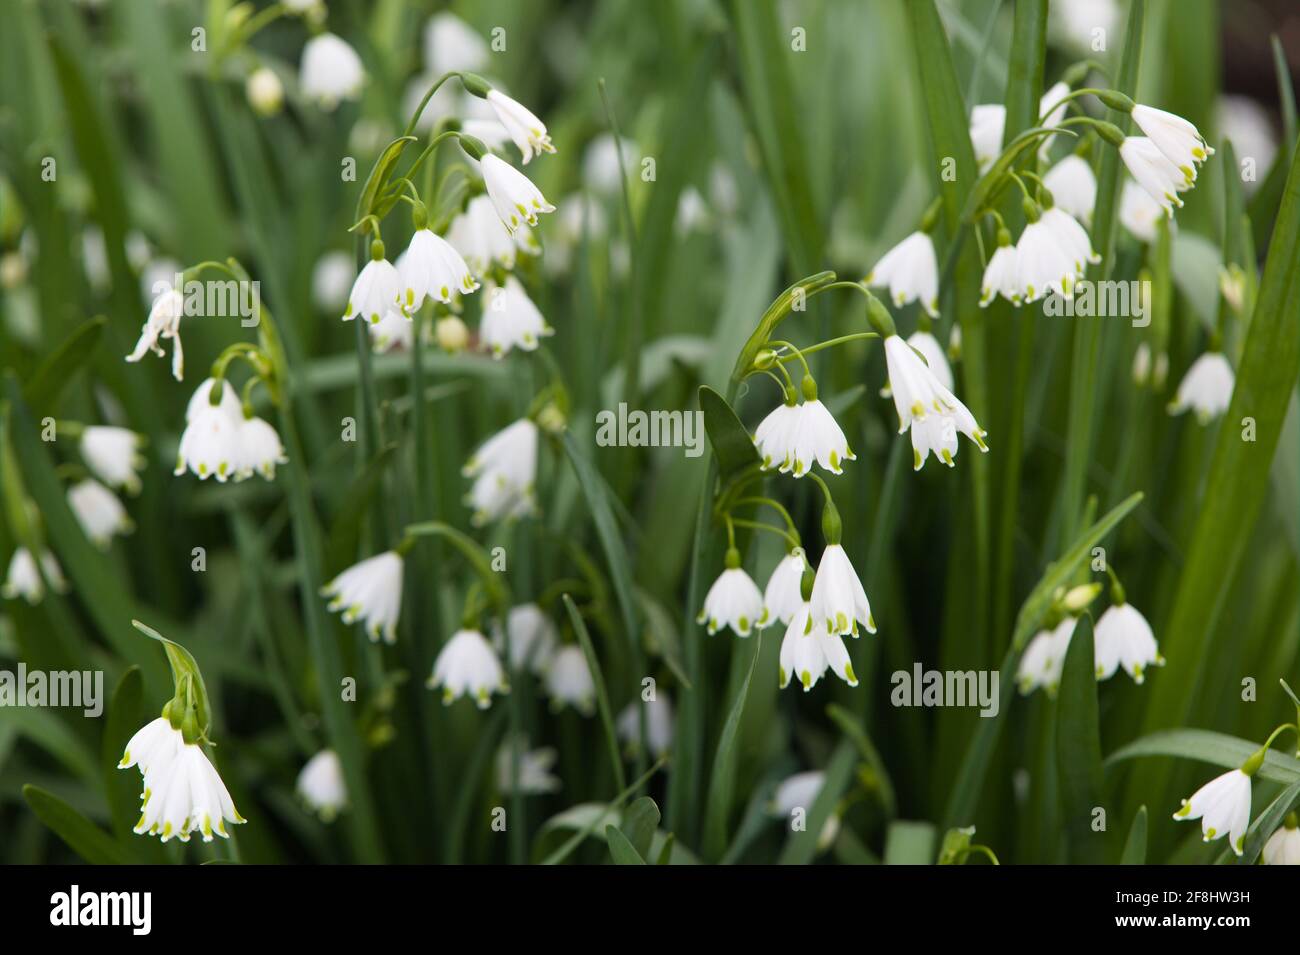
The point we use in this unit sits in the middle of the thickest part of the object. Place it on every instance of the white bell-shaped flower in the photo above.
(1124, 638)
(1283, 846)
(777, 435)
(321, 785)
(504, 468)
(734, 601)
(468, 666)
(1043, 264)
(527, 131)
(370, 591)
(1073, 185)
(807, 652)
(24, 579)
(113, 455)
(1001, 275)
(839, 603)
(510, 319)
(1153, 171)
(659, 724)
(1043, 661)
(209, 444)
(533, 638)
(431, 266)
(568, 680)
(480, 236)
(376, 290)
(1179, 140)
(533, 768)
(516, 200)
(183, 792)
(918, 393)
(260, 449)
(910, 271)
(782, 595)
(99, 512)
(1206, 388)
(331, 71)
(1223, 806)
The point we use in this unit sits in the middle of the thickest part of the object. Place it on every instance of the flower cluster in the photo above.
(224, 439)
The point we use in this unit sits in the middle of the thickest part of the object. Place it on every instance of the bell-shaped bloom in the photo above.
(1073, 186)
(533, 638)
(1206, 388)
(98, 511)
(568, 680)
(321, 785)
(468, 666)
(527, 131)
(481, 237)
(1001, 277)
(431, 266)
(210, 442)
(1043, 661)
(734, 601)
(1223, 806)
(516, 200)
(659, 724)
(807, 652)
(260, 449)
(1124, 638)
(1180, 141)
(503, 468)
(370, 591)
(113, 455)
(1043, 264)
(531, 773)
(910, 271)
(1071, 237)
(1138, 212)
(331, 71)
(839, 603)
(510, 319)
(1283, 846)
(376, 290)
(24, 579)
(776, 438)
(918, 393)
(183, 793)
(1153, 171)
(782, 596)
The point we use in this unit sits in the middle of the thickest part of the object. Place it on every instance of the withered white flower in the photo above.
(321, 785)
(113, 455)
(510, 319)
(331, 71)
(468, 666)
(1206, 388)
(910, 271)
(515, 198)
(370, 591)
(1223, 806)
(568, 680)
(164, 322)
(98, 511)
(24, 580)
(839, 603)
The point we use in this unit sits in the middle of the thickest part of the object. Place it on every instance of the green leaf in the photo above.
(82, 836)
(1078, 745)
(1218, 749)
(640, 821)
(853, 728)
(47, 382)
(125, 715)
(1135, 848)
(722, 781)
(1267, 822)
(909, 842)
(592, 817)
(621, 848)
(378, 177)
(602, 695)
(183, 664)
(732, 445)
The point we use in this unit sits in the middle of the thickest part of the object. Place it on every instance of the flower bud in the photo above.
(265, 91)
(452, 334)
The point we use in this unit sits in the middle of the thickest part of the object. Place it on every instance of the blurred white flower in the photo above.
(797, 793)
(260, 449)
(838, 602)
(395, 331)
(98, 511)
(910, 271)
(331, 280)
(692, 213)
(1001, 275)
(734, 601)
(1247, 125)
(431, 266)
(331, 71)
(783, 594)
(568, 680)
(513, 194)
(1078, 24)
(1232, 286)
(1143, 370)
(164, 321)
(1071, 237)
(113, 455)
(469, 666)
(321, 785)
(510, 319)
(503, 468)
(525, 129)
(1179, 140)
(1073, 186)
(659, 724)
(370, 591)
(533, 637)
(264, 90)
(1223, 806)
(987, 121)
(1283, 846)
(1138, 212)
(451, 333)
(1043, 661)
(377, 289)
(452, 45)
(808, 651)
(210, 444)
(535, 765)
(24, 580)
(183, 793)
(918, 393)
(1206, 388)
(600, 163)
(482, 238)
(1154, 172)
(1124, 638)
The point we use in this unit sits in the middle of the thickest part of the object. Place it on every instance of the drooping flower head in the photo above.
(331, 71)
(503, 468)
(918, 394)
(568, 680)
(910, 271)
(782, 596)
(164, 322)
(321, 786)
(113, 455)
(468, 666)
(24, 579)
(98, 511)
(510, 319)
(516, 200)
(1206, 388)
(1223, 806)
(734, 601)
(370, 591)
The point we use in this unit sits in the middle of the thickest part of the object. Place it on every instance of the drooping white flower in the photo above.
(797, 793)
(260, 449)
(1051, 110)
(503, 468)
(1153, 171)
(527, 131)
(24, 580)
(1074, 187)
(431, 266)
(819, 439)
(451, 333)
(482, 238)
(1223, 806)
(1075, 25)
(777, 435)
(99, 512)
(838, 601)
(1283, 846)
(782, 596)
(515, 198)
(370, 591)
(534, 768)
(568, 680)
(1179, 140)
(331, 280)
(1071, 237)
(807, 652)
(932, 351)
(1043, 265)
(331, 71)
(659, 724)
(1043, 661)
(1138, 212)
(987, 122)
(1247, 124)
(510, 319)
(469, 666)
(910, 271)
(734, 601)
(394, 332)
(1001, 275)
(164, 321)
(183, 793)
(1123, 638)
(1206, 388)
(533, 637)
(264, 90)
(918, 393)
(210, 442)
(452, 45)
(113, 455)
(601, 169)
(377, 289)
(321, 785)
